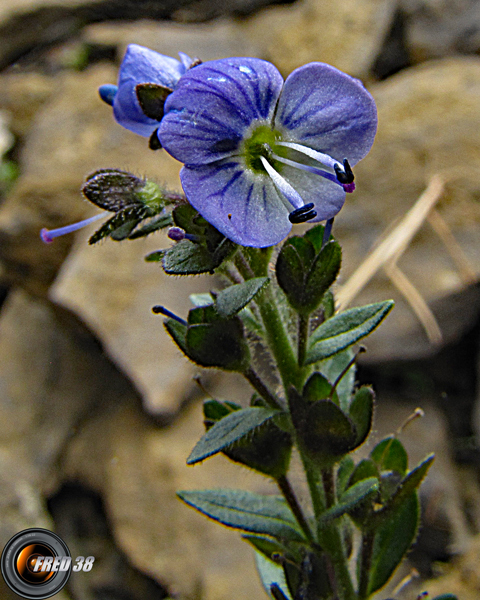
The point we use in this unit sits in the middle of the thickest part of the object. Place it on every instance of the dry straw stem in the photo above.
(391, 248)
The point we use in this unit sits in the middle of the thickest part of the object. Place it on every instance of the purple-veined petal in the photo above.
(329, 111)
(141, 65)
(327, 196)
(243, 205)
(214, 105)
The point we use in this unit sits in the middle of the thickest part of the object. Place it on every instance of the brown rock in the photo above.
(347, 35)
(429, 117)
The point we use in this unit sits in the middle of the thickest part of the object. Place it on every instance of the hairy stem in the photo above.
(303, 331)
(368, 539)
(295, 507)
(262, 389)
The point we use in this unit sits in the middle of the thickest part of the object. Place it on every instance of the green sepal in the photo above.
(361, 413)
(214, 410)
(390, 455)
(318, 387)
(151, 98)
(345, 329)
(113, 189)
(356, 495)
(239, 509)
(234, 298)
(393, 538)
(156, 256)
(154, 224)
(344, 472)
(188, 258)
(364, 470)
(228, 430)
(121, 225)
(178, 332)
(219, 343)
(305, 270)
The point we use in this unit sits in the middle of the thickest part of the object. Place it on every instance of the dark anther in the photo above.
(345, 176)
(302, 214)
(195, 62)
(154, 142)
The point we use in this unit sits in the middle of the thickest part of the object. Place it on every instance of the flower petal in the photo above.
(327, 196)
(329, 111)
(241, 204)
(141, 65)
(214, 105)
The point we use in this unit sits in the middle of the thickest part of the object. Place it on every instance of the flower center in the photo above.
(260, 144)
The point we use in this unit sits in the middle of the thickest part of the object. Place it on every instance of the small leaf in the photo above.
(364, 469)
(156, 256)
(229, 430)
(244, 510)
(345, 329)
(113, 189)
(355, 495)
(317, 388)
(393, 540)
(231, 300)
(361, 413)
(214, 410)
(151, 98)
(200, 300)
(322, 274)
(268, 546)
(390, 455)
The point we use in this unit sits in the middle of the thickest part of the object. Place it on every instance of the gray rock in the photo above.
(345, 34)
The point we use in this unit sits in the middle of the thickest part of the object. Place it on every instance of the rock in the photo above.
(347, 35)
(217, 39)
(437, 28)
(137, 469)
(429, 117)
(52, 376)
(30, 26)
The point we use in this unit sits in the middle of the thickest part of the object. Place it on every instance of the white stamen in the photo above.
(325, 159)
(282, 185)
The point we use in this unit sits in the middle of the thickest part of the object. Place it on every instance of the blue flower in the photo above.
(139, 66)
(259, 153)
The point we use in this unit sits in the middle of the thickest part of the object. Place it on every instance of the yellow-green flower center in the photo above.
(262, 142)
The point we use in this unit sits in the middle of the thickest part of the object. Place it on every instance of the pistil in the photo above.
(48, 235)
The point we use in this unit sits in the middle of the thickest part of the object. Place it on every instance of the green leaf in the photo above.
(393, 540)
(151, 98)
(390, 455)
(154, 224)
(361, 413)
(322, 274)
(244, 510)
(178, 332)
(268, 546)
(364, 469)
(231, 300)
(188, 258)
(355, 495)
(345, 329)
(200, 300)
(333, 367)
(229, 430)
(317, 388)
(156, 256)
(270, 573)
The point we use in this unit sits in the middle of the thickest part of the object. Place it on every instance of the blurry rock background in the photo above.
(98, 410)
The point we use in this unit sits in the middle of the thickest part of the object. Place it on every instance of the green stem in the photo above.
(295, 507)
(329, 486)
(262, 389)
(276, 334)
(368, 539)
(303, 331)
